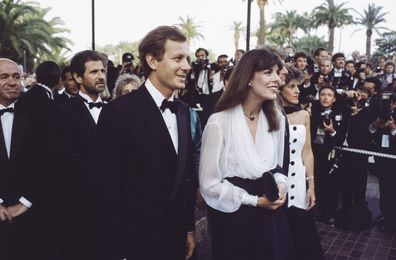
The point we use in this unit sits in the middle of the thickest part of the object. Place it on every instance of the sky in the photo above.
(131, 20)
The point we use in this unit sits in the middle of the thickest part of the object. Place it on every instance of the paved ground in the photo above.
(337, 244)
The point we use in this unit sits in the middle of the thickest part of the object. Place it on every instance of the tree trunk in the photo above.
(331, 39)
(261, 36)
(368, 44)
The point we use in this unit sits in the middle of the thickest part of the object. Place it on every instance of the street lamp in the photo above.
(93, 25)
(249, 5)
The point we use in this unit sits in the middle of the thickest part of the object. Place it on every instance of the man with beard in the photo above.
(77, 125)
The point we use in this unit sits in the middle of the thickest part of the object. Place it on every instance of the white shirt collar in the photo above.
(44, 86)
(12, 105)
(338, 70)
(86, 97)
(155, 94)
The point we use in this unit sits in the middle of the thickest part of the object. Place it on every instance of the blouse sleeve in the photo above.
(218, 193)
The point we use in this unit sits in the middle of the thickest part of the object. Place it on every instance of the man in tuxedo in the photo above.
(47, 77)
(143, 188)
(70, 88)
(26, 210)
(77, 125)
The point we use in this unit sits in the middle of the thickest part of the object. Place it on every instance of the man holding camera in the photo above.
(201, 70)
(127, 65)
(383, 131)
(328, 129)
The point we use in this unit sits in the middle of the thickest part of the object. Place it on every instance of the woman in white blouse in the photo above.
(241, 141)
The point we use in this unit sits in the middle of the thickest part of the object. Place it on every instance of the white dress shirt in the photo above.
(167, 115)
(95, 111)
(218, 84)
(7, 120)
(202, 81)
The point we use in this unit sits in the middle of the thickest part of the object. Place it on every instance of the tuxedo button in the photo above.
(293, 174)
(292, 197)
(292, 162)
(292, 186)
(293, 151)
(294, 128)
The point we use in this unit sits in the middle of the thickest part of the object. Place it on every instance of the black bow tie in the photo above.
(172, 105)
(97, 104)
(5, 110)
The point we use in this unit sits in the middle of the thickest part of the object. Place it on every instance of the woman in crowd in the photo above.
(126, 83)
(243, 142)
(300, 197)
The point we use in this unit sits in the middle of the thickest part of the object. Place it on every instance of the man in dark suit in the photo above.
(47, 77)
(70, 88)
(328, 129)
(144, 193)
(26, 210)
(77, 125)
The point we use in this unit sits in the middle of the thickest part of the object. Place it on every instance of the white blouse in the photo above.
(228, 150)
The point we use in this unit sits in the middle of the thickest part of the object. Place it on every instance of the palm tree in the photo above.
(370, 19)
(287, 24)
(237, 28)
(190, 29)
(309, 44)
(261, 35)
(25, 31)
(333, 16)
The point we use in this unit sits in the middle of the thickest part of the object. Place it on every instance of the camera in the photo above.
(378, 69)
(289, 58)
(326, 116)
(200, 64)
(385, 105)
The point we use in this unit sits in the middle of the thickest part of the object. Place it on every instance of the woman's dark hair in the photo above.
(154, 43)
(238, 85)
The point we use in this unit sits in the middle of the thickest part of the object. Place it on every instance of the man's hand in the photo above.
(5, 214)
(17, 209)
(190, 244)
(350, 93)
(329, 127)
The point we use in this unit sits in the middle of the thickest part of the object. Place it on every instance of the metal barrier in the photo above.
(365, 152)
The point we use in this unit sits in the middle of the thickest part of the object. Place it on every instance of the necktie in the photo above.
(97, 104)
(5, 110)
(172, 105)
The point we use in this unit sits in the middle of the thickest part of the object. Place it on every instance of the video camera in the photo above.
(326, 116)
(201, 64)
(385, 105)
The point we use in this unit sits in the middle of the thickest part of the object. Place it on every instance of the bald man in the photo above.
(23, 227)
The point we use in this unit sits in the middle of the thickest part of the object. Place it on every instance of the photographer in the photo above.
(328, 129)
(127, 65)
(383, 132)
(201, 71)
(341, 78)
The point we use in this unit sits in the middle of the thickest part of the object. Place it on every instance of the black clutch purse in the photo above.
(269, 187)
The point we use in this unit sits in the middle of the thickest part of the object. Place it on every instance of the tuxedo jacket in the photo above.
(340, 119)
(60, 99)
(76, 131)
(27, 173)
(37, 95)
(144, 185)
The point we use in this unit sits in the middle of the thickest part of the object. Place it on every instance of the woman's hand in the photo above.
(310, 198)
(263, 202)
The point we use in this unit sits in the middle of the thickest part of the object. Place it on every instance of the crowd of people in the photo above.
(106, 162)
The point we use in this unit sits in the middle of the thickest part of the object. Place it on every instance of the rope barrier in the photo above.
(365, 152)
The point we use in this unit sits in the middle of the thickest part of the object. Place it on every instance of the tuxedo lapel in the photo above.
(3, 150)
(183, 122)
(152, 118)
(81, 107)
(18, 131)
